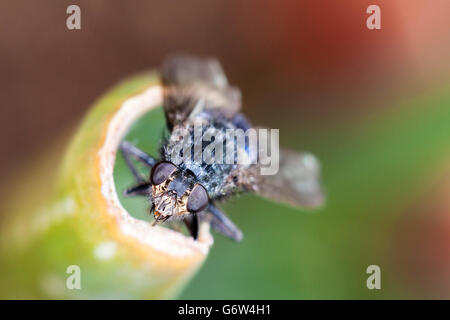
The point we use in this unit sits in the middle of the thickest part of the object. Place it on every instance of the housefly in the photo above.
(196, 91)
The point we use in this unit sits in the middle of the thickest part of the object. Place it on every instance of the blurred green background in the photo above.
(372, 105)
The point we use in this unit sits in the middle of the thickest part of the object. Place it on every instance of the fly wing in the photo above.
(297, 181)
(192, 85)
(182, 70)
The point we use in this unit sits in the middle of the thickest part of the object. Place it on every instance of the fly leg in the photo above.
(129, 151)
(142, 189)
(191, 222)
(223, 225)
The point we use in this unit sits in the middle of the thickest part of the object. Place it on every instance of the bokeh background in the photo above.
(373, 105)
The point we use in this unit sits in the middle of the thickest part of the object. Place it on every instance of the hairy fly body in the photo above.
(196, 92)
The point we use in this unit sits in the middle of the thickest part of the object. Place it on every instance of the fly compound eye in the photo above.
(161, 171)
(198, 199)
